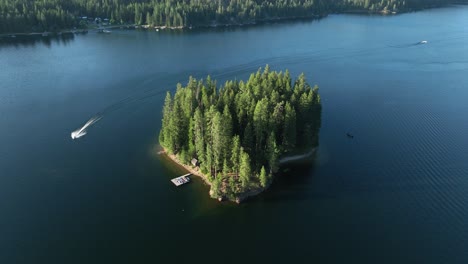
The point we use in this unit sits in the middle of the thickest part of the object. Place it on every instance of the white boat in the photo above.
(82, 131)
(423, 42)
(77, 134)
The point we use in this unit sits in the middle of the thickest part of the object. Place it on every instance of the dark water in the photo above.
(396, 193)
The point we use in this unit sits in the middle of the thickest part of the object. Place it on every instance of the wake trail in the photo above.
(80, 132)
(422, 42)
(113, 107)
(297, 157)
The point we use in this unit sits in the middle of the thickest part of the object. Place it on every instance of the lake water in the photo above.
(396, 193)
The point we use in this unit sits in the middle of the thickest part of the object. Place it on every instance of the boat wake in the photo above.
(137, 97)
(422, 42)
(82, 131)
(297, 157)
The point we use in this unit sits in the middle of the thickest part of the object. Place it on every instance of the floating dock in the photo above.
(181, 180)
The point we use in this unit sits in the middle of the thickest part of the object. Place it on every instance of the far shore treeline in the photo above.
(23, 16)
(238, 132)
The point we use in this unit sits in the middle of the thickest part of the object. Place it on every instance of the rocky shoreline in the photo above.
(241, 196)
(196, 171)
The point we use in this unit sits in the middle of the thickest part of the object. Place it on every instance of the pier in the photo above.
(181, 179)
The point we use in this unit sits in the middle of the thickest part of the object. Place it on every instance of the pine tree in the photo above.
(217, 141)
(263, 177)
(245, 170)
(289, 131)
(199, 125)
(226, 168)
(260, 118)
(226, 131)
(177, 128)
(232, 186)
(209, 161)
(216, 187)
(235, 154)
(248, 141)
(272, 153)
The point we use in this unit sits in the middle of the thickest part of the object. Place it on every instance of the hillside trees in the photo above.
(47, 15)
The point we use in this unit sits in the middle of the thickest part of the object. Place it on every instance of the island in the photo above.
(237, 136)
(26, 16)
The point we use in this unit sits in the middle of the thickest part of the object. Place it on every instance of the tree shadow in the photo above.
(34, 39)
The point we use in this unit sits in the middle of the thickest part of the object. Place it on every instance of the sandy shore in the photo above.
(196, 171)
(241, 196)
(192, 170)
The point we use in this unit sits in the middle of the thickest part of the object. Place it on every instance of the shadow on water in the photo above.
(289, 180)
(297, 175)
(32, 40)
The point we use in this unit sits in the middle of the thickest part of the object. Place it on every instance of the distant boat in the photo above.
(349, 135)
(423, 42)
(105, 31)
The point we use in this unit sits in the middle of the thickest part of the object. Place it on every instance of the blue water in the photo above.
(396, 193)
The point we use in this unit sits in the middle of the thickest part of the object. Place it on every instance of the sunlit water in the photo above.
(395, 193)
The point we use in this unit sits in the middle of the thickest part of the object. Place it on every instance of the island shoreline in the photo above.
(239, 198)
(242, 196)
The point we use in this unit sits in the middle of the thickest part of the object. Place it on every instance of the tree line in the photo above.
(49, 15)
(238, 131)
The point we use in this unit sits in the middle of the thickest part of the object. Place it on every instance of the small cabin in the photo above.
(194, 162)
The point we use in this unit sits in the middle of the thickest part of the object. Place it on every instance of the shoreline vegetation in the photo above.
(236, 136)
(196, 172)
(24, 16)
(245, 195)
(68, 31)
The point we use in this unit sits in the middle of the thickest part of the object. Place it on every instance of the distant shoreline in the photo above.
(221, 25)
(156, 27)
(64, 31)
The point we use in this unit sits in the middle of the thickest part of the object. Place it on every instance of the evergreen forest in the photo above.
(18, 16)
(239, 131)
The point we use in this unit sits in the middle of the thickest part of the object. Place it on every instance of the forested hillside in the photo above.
(49, 15)
(239, 131)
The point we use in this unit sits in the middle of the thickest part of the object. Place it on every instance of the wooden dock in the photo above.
(181, 180)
